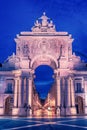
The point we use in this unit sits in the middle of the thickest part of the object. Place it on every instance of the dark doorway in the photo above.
(8, 105)
(79, 105)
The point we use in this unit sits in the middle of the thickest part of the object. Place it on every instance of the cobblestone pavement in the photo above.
(62, 123)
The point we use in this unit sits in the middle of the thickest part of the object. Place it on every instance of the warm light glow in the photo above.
(49, 108)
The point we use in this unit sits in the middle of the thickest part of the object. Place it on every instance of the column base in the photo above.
(85, 109)
(29, 113)
(1, 111)
(70, 111)
(62, 111)
(73, 110)
(18, 112)
(58, 112)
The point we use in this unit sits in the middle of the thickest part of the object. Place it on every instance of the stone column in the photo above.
(17, 97)
(85, 90)
(30, 93)
(58, 94)
(63, 93)
(73, 108)
(20, 93)
(24, 90)
(1, 100)
(68, 93)
(15, 94)
(70, 110)
(68, 97)
(2, 104)
(72, 93)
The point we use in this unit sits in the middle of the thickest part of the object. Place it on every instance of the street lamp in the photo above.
(49, 108)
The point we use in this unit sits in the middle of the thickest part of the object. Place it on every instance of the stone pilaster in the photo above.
(1, 104)
(20, 93)
(30, 80)
(70, 107)
(85, 90)
(73, 108)
(72, 93)
(18, 108)
(15, 110)
(15, 94)
(24, 91)
(68, 97)
(63, 95)
(68, 93)
(58, 94)
(63, 92)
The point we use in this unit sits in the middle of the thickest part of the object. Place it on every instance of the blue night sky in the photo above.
(20, 15)
(44, 80)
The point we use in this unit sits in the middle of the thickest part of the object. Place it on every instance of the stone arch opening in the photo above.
(79, 105)
(44, 60)
(43, 80)
(8, 105)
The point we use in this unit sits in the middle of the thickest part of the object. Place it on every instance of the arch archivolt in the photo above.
(45, 60)
(7, 96)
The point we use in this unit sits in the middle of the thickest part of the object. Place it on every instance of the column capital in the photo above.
(16, 78)
(85, 78)
(30, 76)
(56, 70)
(70, 77)
(57, 74)
(32, 71)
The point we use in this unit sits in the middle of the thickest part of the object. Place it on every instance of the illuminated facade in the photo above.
(43, 46)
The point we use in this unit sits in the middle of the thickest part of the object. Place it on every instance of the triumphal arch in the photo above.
(43, 46)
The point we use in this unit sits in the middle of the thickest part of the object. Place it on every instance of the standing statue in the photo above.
(44, 19)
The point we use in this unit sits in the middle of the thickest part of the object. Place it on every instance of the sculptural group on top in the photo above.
(43, 24)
